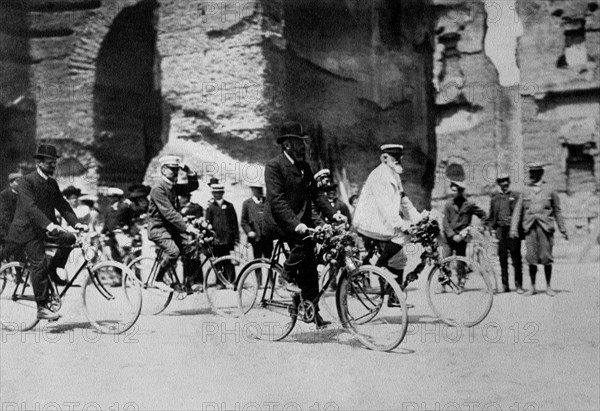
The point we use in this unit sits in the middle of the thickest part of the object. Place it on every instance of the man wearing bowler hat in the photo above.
(35, 222)
(8, 206)
(291, 190)
(502, 206)
(253, 210)
(536, 212)
(166, 226)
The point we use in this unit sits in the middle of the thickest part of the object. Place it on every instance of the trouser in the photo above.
(171, 250)
(262, 248)
(221, 250)
(11, 252)
(111, 242)
(539, 245)
(41, 268)
(301, 268)
(508, 245)
(460, 249)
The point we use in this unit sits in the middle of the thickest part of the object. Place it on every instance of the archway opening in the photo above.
(130, 117)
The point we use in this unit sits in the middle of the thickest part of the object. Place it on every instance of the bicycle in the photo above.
(360, 296)
(214, 277)
(476, 252)
(111, 295)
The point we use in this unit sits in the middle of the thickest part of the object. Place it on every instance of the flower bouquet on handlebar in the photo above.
(335, 244)
(202, 239)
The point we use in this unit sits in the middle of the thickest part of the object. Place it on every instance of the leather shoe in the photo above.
(320, 322)
(505, 289)
(550, 292)
(46, 314)
(519, 290)
(57, 280)
(289, 286)
(529, 292)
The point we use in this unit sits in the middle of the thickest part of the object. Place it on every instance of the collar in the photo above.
(257, 200)
(538, 184)
(220, 202)
(168, 182)
(289, 158)
(13, 191)
(41, 173)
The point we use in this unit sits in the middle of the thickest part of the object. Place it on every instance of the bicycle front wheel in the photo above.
(372, 306)
(112, 297)
(270, 310)
(220, 285)
(18, 309)
(459, 292)
(155, 299)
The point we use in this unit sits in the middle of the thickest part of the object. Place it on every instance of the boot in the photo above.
(320, 322)
(44, 313)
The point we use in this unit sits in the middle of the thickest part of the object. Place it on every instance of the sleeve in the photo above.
(190, 186)
(235, 230)
(389, 209)
(448, 230)
(164, 206)
(246, 217)
(322, 207)
(346, 212)
(478, 211)
(409, 210)
(4, 217)
(557, 211)
(64, 208)
(281, 210)
(516, 215)
(490, 220)
(26, 197)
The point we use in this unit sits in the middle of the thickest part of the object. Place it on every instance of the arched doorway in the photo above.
(130, 119)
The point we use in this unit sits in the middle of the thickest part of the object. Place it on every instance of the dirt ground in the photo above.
(530, 353)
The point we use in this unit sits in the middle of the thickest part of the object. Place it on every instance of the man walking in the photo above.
(536, 212)
(291, 190)
(35, 222)
(502, 206)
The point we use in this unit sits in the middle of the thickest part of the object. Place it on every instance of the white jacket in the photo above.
(382, 206)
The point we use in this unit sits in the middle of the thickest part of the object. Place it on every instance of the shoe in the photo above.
(163, 287)
(46, 314)
(393, 301)
(320, 322)
(505, 289)
(550, 292)
(289, 286)
(57, 280)
(529, 292)
(519, 290)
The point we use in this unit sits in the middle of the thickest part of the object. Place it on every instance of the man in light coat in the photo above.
(384, 213)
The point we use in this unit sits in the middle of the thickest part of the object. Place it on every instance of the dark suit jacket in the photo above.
(290, 193)
(8, 205)
(253, 218)
(495, 204)
(224, 222)
(118, 218)
(38, 198)
(542, 207)
(457, 219)
(164, 219)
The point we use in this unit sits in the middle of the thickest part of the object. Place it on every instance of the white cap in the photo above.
(322, 173)
(114, 191)
(170, 161)
(392, 147)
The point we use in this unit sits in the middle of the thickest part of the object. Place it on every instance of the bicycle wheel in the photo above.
(112, 297)
(327, 302)
(155, 299)
(459, 296)
(220, 285)
(270, 310)
(364, 307)
(18, 309)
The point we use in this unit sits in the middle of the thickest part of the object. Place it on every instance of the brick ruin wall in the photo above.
(116, 84)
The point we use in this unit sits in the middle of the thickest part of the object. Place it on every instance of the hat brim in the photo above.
(280, 139)
(45, 156)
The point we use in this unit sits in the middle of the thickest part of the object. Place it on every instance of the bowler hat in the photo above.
(71, 191)
(213, 180)
(46, 151)
(291, 129)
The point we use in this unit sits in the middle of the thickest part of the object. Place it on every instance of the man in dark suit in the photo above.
(502, 206)
(338, 205)
(189, 209)
(536, 212)
(223, 218)
(291, 190)
(253, 210)
(35, 221)
(117, 218)
(166, 226)
(8, 206)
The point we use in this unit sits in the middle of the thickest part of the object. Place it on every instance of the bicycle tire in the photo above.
(223, 301)
(270, 311)
(361, 298)
(476, 295)
(112, 306)
(18, 308)
(155, 300)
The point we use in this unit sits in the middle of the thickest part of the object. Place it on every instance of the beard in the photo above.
(397, 168)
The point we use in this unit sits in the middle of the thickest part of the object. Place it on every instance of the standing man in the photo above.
(537, 210)
(502, 206)
(338, 205)
(291, 190)
(384, 213)
(8, 206)
(166, 226)
(253, 210)
(189, 209)
(222, 216)
(35, 222)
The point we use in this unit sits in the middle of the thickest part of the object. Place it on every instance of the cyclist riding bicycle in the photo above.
(384, 214)
(166, 226)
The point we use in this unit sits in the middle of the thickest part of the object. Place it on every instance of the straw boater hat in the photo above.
(114, 192)
(458, 184)
(537, 166)
(217, 188)
(13, 176)
(291, 129)
(256, 184)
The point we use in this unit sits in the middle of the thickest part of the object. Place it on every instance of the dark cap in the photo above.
(138, 191)
(71, 191)
(537, 166)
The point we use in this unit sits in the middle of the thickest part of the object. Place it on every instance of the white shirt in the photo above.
(41, 173)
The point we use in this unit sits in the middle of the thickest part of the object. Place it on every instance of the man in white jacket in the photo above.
(384, 213)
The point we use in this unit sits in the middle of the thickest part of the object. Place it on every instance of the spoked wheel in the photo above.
(459, 292)
(327, 302)
(18, 309)
(372, 306)
(155, 299)
(270, 310)
(220, 285)
(112, 297)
